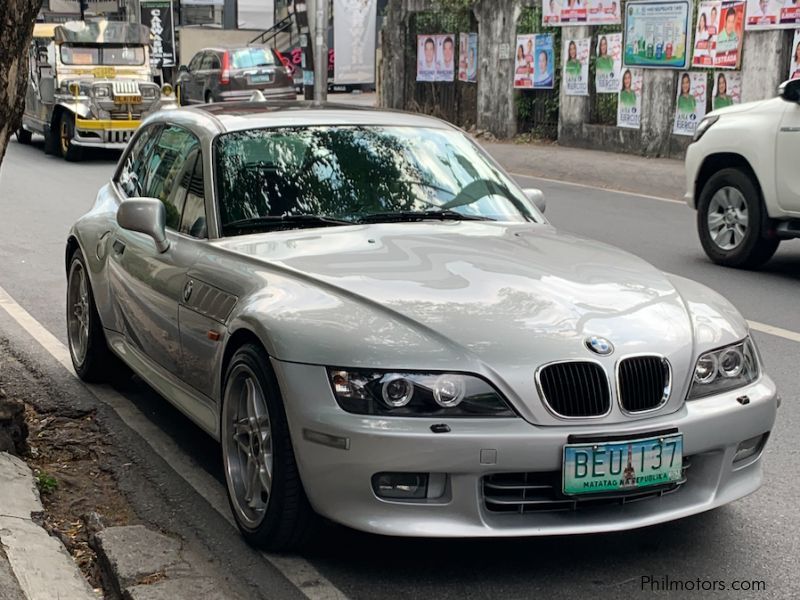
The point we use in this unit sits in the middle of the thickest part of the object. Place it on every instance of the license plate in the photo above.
(260, 78)
(605, 467)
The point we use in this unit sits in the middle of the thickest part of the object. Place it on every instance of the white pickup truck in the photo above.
(743, 178)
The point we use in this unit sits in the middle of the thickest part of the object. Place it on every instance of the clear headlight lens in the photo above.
(101, 91)
(725, 369)
(151, 92)
(404, 394)
(704, 126)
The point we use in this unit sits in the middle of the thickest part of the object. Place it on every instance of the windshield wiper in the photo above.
(293, 221)
(419, 215)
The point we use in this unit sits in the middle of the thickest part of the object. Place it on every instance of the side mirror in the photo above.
(147, 216)
(537, 197)
(183, 69)
(790, 90)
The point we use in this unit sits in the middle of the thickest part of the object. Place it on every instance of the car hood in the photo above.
(771, 105)
(498, 299)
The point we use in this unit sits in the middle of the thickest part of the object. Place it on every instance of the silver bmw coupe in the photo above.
(380, 327)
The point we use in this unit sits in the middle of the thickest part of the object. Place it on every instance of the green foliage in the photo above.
(453, 5)
(47, 484)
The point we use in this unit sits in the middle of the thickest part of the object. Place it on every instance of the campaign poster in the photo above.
(705, 34)
(794, 63)
(468, 57)
(604, 12)
(629, 104)
(354, 27)
(445, 57)
(772, 14)
(576, 66)
(573, 12)
(157, 15)
(551, 12)
(730, 35)
(523, 61)
(608, 64)
(426, 58)
(657, 34)
(690, 105)
(544, 65)
(727, 89)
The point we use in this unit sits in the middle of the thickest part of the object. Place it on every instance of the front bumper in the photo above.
(338, 481)
(692, 162)
(104, 133)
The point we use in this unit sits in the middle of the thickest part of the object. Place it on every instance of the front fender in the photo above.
(77, 107)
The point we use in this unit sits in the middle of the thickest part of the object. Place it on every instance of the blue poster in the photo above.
(544, 67)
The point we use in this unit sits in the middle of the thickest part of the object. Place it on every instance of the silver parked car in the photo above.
(380, 327)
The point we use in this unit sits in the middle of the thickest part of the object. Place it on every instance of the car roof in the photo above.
(238, 116)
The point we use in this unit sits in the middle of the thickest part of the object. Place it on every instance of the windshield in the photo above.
(252, 57)
(107, 54)
(360, 173)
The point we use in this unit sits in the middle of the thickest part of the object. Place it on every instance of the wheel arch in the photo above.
(714, 163)
(238, 338)
(72, 246)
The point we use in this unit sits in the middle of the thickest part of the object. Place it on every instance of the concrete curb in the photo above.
(40, 563)
(141, 564)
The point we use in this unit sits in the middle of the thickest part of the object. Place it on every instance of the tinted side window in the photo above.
(196, 60)
(207, 61)
(169, 161)
(193, 221)
(215, 64)
(134, 169)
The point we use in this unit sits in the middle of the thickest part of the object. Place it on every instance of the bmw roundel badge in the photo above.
(599, 345)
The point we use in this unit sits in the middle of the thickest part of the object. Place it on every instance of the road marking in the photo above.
(300, 573)
(601, 189)
(786, 334)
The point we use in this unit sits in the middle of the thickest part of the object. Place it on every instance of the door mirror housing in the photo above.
(147, 216)
(790, 90)
(537, 197)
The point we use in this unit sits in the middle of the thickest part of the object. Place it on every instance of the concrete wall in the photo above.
(765, 63)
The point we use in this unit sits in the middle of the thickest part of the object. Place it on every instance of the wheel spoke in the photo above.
(738, 233)
(265, 474)
(251, 393)
(715, 219)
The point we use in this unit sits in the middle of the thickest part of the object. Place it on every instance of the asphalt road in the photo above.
(757, 538)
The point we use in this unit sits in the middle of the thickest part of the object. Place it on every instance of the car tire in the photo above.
(66, 133)
(24, 136)
(91, 357)
(265, 492)
(731, 221)
(209, 97)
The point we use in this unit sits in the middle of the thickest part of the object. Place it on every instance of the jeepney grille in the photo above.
(644, 382)
(575, 389)
(118, 136)
(126, 92)
(125, 116)
(520, 493)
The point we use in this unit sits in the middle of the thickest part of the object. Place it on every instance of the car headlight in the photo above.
(101, 91)
(725, 369)
(149, 92)
(403, 394)
(704, 126)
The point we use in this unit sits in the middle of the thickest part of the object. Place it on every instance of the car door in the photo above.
(788, 149)
(147, 285)
(195, 79)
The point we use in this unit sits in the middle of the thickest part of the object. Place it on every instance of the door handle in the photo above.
(119, 247)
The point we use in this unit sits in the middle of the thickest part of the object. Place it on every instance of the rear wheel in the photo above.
(731, 221)
(264, 487)
(66, 134)
(24, 136)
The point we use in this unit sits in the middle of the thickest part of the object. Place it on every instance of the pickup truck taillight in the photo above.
(225, 72)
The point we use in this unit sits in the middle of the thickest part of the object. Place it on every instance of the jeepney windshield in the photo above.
(105, 54)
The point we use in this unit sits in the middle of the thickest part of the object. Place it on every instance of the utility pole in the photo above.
(321, 52)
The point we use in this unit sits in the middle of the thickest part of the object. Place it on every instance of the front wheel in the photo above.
(66, 135)
(731, 219)
(264, 487)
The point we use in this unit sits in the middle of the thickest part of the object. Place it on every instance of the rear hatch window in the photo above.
(252, 57)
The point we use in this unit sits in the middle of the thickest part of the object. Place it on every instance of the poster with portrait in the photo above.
(578, 12)
(551, 12)
(794, 63)
(730, 35)
(445, 57)
(772, 14)
(629, 100)
(727, 89)
(604, 12)
(657, 34)
(608, 64)
(690, 104)
(523, 61)
(468, 57)
(575, 56)
(573, 12)
(544, 62)
(426, 58)
(705, 33)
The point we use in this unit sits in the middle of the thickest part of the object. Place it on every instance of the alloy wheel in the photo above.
(727, 218)
(247, 436)
(78, 312)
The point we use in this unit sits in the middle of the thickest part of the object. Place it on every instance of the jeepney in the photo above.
(89, 85)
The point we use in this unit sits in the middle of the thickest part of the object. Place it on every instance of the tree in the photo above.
(16, 28)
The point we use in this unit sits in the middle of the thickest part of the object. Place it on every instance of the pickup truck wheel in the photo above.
(264, 488)
(731, 219)
(66, 133)
(24, 136)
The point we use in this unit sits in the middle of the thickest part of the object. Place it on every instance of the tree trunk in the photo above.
(16, 27)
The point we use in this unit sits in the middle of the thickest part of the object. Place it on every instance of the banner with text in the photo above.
(579, 12)
(608, 64)
(794, 64)
(157, 15)
(629, 101)
(772, 14)
(690, 105)
(657, 34)
(436, 57)
(354, 24)
(468, 57)
(576, 66)
(719, 34)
